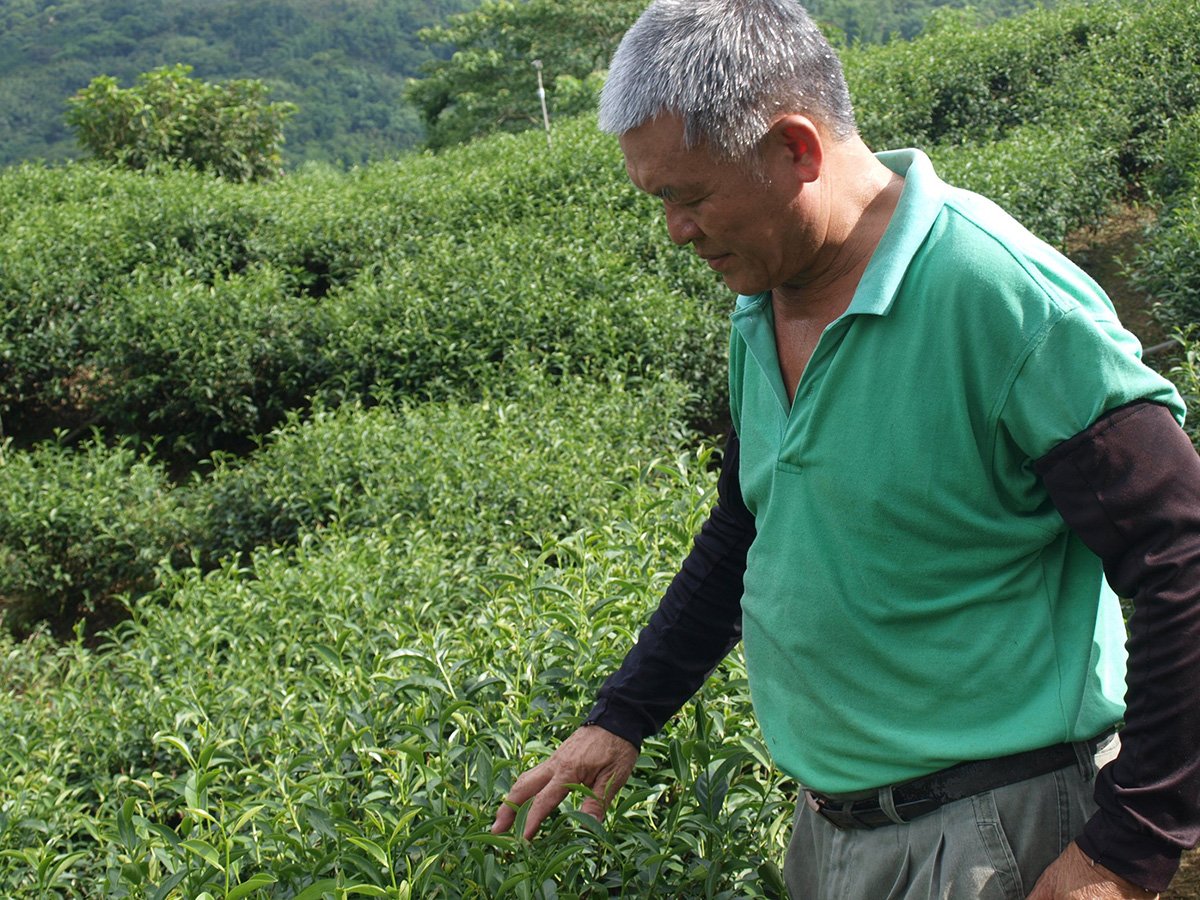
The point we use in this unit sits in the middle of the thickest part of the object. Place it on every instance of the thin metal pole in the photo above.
(537, 64)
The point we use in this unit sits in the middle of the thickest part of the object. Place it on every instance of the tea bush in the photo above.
(1167, 266)
(1099, 82)
(1177, 175)
(534, 458)
(200, 364)
(1151, 59)
(200, 311)
(963, 84)
(469, 315)
(78, 525)
(343, 718)
(1054, 180)
(1185, 373)
(71, 240)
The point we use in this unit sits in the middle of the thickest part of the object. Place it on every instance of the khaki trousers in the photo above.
(992, 846)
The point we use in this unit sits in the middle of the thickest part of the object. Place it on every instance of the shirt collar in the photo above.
(921, 201)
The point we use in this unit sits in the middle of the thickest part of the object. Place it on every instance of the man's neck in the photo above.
(857, 198)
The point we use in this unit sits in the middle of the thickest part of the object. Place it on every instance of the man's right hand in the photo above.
(591, 756)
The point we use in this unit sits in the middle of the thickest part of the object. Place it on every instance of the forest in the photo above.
(328, 500)
(879, 21)
(345, 64)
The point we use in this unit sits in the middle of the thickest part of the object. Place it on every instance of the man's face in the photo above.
(749, 229)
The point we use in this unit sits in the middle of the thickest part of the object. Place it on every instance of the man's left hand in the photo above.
(1075, 877)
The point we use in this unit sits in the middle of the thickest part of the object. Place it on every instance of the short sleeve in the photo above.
(1075, 370)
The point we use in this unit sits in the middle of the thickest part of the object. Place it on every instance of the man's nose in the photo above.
(680, 226)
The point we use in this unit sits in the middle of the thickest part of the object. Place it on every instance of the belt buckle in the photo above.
(842, 813)
(869, 814)
(838, 816)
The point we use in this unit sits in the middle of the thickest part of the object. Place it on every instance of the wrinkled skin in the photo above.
(1075, 877)
(591, 756)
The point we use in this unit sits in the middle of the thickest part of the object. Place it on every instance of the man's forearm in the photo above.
(698, 621)
(1129, 486)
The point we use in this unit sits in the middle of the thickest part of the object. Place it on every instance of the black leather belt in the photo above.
(923, 795)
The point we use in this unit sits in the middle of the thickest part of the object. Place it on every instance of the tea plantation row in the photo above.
(386, 468)
(341, 718)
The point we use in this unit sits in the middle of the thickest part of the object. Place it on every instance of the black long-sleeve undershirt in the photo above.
(1129, 486)
(698, 621)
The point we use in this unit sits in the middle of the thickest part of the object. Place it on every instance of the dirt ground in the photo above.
(1102, 253)
(1186, 885)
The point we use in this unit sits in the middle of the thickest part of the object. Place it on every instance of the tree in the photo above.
(490, 84)
(168, 117)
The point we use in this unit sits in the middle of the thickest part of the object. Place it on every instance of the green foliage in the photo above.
(489, 84)
(964, 84)
(880, 21)
(72, 240)
(200, 312)
(1186, 376)
(1054, 114)
(201, 365)
(169, 117)
(1178, 173)
(347, 715)
(1153, 56)
(78, 526)
(1167, 266)
(436, 465)
(1054, 180)
(343, 64)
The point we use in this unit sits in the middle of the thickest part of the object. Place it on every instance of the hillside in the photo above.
(879, 21)
(343, 62)
(328, 501)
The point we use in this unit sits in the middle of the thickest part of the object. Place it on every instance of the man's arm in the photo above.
(698, 621)
(1129, 486)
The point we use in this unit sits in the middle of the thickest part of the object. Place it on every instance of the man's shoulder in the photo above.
(978, 251)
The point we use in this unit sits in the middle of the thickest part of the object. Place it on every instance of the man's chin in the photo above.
(743, 285)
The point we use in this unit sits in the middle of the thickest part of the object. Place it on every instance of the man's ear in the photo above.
(802, 140)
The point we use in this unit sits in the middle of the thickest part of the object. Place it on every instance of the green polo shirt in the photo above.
(912, 598)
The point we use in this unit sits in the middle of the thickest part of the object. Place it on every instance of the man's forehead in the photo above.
(663, 133)
(665, 182)
(659, 163)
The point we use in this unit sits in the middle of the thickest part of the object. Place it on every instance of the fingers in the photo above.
(528, 785)
(605, 788)
(547, 784)
(504, 820)
(591, 757)
(546, 801)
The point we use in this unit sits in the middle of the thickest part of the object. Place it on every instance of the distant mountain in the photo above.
(343, 62)
(879, 21)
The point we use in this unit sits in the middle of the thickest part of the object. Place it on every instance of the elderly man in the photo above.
(944, 441)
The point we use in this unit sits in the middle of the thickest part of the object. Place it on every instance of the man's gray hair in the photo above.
(726, 68)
